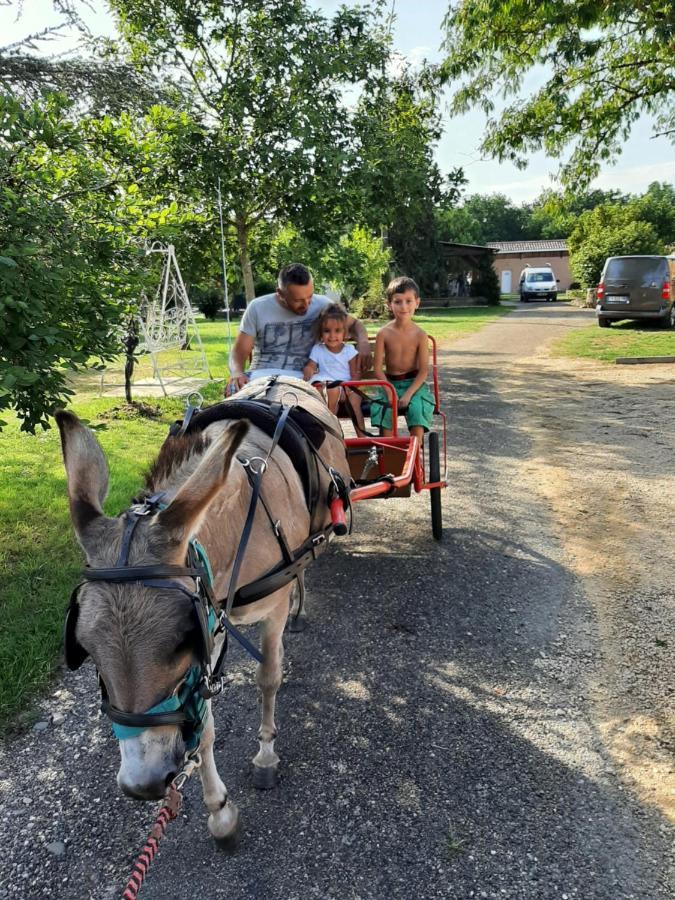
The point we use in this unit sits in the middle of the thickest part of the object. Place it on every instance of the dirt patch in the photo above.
(135, 410)
(604, 447)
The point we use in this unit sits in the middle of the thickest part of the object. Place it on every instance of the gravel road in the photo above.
(490, 717)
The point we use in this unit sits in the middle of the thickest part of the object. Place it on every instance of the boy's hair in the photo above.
(295, 273)
(333, 311)
(400, 285)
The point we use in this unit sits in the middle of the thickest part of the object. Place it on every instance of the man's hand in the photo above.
(365, 357)
(235, 383)
(360, 335)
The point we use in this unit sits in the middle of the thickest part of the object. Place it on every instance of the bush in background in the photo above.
(209, 301)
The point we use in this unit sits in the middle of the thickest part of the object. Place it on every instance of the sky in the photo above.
(417, 35)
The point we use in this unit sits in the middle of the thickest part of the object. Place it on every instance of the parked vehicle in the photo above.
(637, 287)
(537, 283)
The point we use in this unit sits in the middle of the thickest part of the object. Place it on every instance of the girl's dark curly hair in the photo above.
(333, 311)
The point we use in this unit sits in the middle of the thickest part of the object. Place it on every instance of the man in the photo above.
(278, 329)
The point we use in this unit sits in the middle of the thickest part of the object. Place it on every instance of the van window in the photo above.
(641, 270)
(539, 276)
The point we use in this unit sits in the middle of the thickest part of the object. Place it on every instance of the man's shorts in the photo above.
(419, 411)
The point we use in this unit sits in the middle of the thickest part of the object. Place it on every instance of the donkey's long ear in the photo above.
(184, 514)
(86, 470)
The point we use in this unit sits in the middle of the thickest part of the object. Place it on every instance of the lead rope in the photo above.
(167, 813)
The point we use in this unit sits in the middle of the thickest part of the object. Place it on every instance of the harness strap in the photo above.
(140, 573)
(255, 477)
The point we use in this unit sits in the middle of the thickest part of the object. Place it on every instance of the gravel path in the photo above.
(444, 724)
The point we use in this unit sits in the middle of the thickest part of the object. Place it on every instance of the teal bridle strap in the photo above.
(186, 698)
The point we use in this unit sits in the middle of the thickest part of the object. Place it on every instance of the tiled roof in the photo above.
(527, 246)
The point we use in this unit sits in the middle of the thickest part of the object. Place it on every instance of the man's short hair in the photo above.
(400, 285)
(295, 273)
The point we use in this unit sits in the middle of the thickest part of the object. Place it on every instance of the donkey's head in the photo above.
(144, 638)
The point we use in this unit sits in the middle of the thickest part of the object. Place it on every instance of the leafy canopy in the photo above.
(609, 230)
(266, 78)
(78, 199)
(603, 65)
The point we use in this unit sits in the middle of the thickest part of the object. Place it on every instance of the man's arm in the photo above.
(360, 335)
(241, 351)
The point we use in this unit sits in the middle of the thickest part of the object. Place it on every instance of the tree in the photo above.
(266, 77)
(398, 181)
(485, 217)
(554, 214)
(605, 65)
(608, 230)
(657, 206)
(76, 208)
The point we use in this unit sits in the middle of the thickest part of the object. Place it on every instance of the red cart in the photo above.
(393, 466)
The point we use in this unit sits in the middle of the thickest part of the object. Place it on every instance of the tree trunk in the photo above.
(130, 342)
(245, 259)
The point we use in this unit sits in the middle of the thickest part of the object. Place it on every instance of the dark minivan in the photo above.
(637, 287)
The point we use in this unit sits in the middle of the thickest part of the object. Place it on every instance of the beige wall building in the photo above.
(513, 256)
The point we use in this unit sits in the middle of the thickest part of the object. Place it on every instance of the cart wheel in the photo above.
(435, 493)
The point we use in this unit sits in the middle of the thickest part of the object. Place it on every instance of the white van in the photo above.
(537, 283)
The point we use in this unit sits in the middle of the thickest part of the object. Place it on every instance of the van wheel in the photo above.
(604, 323)
(669, 321)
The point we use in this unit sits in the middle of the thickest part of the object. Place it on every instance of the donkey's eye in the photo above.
(185, 644)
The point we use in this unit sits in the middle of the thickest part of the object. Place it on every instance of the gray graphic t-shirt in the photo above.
(282, 339)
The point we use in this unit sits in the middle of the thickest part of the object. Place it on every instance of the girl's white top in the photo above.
(332, 366)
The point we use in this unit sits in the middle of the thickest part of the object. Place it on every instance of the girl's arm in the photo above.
(378, 365)
(354, 368)
(309, 369)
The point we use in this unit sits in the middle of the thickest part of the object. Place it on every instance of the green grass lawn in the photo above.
(39, 557)
(628, 339)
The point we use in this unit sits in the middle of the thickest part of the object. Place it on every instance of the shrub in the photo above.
(485, 283)
(209, 301)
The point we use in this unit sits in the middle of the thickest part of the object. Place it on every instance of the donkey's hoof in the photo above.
(228, 845)
(296, 624)
(224, 823)
(265, 777)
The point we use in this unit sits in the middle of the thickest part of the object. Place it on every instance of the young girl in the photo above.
(331, 359)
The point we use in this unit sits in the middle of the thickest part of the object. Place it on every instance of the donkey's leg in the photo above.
(224, 815)
(266, 761)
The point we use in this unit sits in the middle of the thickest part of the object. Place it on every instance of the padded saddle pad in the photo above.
(264, 416)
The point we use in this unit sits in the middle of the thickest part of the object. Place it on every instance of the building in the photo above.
(512, 257)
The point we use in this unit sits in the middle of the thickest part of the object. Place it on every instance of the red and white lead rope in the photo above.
(168, 811)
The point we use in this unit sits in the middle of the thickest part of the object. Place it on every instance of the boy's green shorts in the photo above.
(419, 412)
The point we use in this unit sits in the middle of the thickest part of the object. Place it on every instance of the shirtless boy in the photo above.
(403, 349)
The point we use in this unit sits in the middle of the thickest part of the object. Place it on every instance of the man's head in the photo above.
(295, 288)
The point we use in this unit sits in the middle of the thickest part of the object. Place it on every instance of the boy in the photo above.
(403, 348)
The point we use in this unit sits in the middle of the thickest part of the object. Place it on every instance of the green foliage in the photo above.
(398, 184)
(357, 264)
(77, 200)
(608, 230)
(484, 217)
(264, 78)
(604, 64)
(209, 301)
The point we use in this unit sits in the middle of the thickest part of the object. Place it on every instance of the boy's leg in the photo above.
(419, 412)
(380, 413)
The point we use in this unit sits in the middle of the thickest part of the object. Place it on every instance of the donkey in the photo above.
(143, 635)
